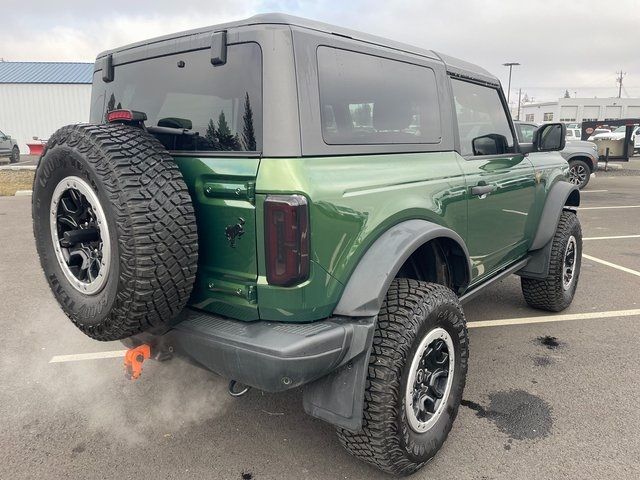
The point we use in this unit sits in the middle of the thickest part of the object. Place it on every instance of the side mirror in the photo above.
(492, 144)
(550, 137)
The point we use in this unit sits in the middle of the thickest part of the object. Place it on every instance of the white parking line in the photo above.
(592, 191)
(615, 237)
(87, 356)
(612, 265)
(609, 208)
(553, 318)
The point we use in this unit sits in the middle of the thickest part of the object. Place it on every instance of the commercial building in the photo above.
(580, 109)
(37, 98)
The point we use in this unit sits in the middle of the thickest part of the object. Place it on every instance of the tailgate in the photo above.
(223, 192)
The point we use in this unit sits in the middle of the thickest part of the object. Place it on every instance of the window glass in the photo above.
(547, 117)
(526, 132)
(529, 117)
(371, 100)
(479, 112)
(199, 107)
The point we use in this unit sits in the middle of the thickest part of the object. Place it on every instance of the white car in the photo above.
(598, 131)
(618, 134)
(573, 134)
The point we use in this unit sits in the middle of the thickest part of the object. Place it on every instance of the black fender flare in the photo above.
(561, 196)
(364, 293)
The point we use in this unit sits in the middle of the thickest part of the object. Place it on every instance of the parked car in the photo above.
(9, 148)
(573, 134)
(581, 155)
(598, 131)
(618, 134)
(233, 215)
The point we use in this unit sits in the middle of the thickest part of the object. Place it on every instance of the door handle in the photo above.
(482, 190)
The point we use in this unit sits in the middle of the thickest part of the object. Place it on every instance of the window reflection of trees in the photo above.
(218, 135)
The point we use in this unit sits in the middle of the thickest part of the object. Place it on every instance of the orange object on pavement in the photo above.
(133, 360)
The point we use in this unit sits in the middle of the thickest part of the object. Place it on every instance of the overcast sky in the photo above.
(572, 45)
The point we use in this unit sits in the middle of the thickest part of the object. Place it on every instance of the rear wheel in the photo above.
(579, 173)
(115, 229)
(556, 291)
(15, 155)
(417, 372)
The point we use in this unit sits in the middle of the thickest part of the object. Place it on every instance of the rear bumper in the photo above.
(271, 356)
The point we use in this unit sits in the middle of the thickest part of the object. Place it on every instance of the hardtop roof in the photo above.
(455, 66)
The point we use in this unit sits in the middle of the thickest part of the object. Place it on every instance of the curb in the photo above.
(23, 193)
(18, 167)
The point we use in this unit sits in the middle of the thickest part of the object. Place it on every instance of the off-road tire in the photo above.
(549, 293)
(15, 155)
(411, 309)
(151, 223)
(582, 166)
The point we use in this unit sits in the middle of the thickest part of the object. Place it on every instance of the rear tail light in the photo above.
(125, 116)
(286, 220)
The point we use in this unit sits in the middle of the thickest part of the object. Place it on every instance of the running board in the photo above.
(471, 294)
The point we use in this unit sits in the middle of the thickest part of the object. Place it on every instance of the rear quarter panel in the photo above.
(353, 200)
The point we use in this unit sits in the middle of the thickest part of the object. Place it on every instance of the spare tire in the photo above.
(115, 229)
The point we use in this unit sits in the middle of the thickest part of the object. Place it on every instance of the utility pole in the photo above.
(510, 65)
(519, 102)
(619, 81)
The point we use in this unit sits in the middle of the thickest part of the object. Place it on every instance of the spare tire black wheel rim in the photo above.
(80, 235)
(569, 263)
(430, 379)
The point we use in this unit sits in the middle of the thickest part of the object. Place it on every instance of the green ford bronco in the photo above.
(288, 203)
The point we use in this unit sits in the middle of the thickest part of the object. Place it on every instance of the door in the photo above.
(500, 181)
(5, 145)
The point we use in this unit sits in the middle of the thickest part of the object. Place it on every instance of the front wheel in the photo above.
(416, 376)
(579, 173)
(15, 155)
(556, 291)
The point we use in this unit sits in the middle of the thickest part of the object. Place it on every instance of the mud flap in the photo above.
(338, 398)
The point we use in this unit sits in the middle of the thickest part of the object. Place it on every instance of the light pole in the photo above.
(510, 65)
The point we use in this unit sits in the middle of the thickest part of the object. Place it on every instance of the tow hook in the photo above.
(237, 392)
(133, 360)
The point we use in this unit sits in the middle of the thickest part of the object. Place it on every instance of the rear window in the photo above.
(201, 108)
(371, 100)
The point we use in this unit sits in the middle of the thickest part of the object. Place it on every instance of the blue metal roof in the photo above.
(45, 72)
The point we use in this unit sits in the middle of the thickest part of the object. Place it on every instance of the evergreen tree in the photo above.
(111, 105)
(119, 107)
(211, 136)
(248, 133)
(566, 94)
(223, 132)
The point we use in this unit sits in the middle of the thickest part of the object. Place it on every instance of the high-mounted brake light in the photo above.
(125, 116)
(286, 221)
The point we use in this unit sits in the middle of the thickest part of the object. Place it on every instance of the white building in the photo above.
(37, 98)
(580, 109)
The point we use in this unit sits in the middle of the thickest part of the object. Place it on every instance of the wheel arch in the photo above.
(588, 160)
(411, 242)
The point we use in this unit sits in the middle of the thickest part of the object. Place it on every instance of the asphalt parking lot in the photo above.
(546, 397)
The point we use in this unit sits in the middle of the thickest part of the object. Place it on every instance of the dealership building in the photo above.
(37, 98)
(580, 110)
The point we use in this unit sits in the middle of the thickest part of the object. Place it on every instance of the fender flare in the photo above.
(562, 195)
(365, 291)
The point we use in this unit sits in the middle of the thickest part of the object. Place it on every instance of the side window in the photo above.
(369, 100)
(526, 133)
(479, 113)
